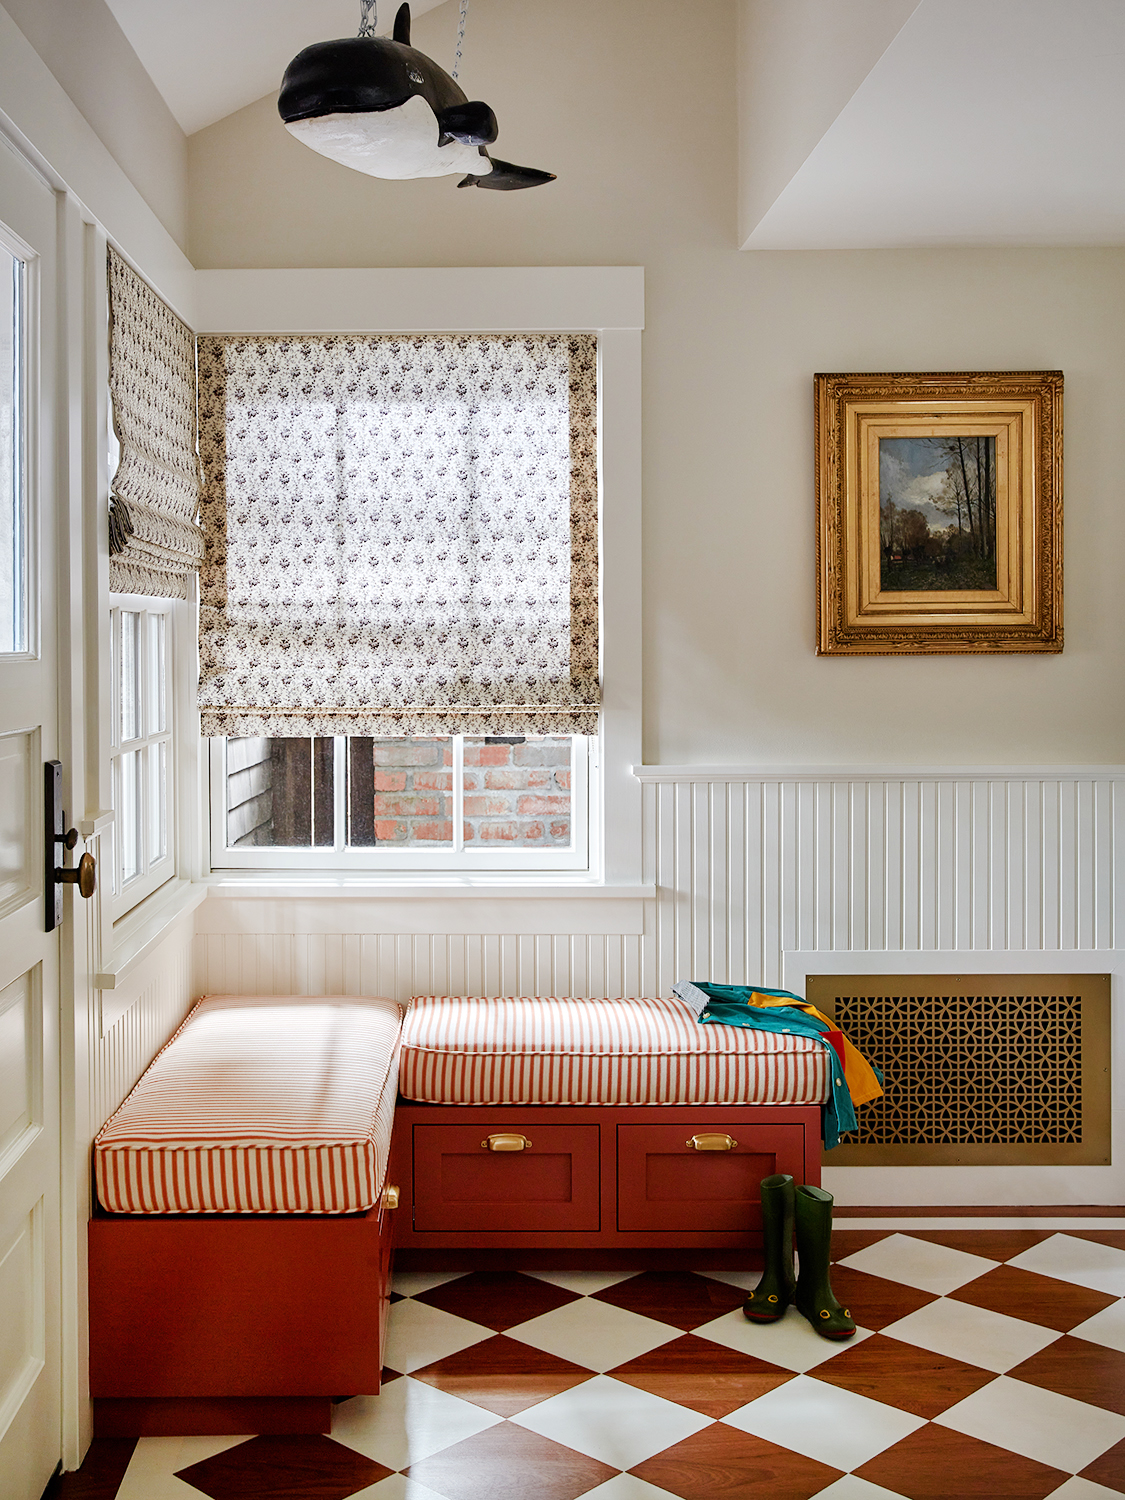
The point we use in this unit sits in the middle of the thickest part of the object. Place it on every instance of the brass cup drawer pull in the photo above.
(711, 1141)
(506, 1143)
(390, 1196)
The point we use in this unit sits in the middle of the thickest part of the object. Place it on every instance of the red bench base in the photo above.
(200, 1322)
(594, 1178)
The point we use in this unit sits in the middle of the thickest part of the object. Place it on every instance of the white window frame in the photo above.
(606, 300)
(152, 874)
(418, 858)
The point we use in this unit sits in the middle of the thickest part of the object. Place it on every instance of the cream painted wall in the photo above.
(86, 50)
(637, 116)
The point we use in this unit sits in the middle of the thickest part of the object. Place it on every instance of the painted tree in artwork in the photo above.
(968, 494)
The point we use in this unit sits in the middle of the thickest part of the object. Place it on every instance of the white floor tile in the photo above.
(418, 1334)
(990, 1340)
(627, 1487)
(396, 1487)
(613, 1422)
(585, 1283)
(930, 1268)
(152, 1468)
(1082, 1489)
(1040, 1424)
(790, 1342)
(1085, 1262)
(410, 1283)
(851, 1487)
(406, 1422)
(1106, 1327)
(747, 1280)
(596, 1335)
(834, 1426)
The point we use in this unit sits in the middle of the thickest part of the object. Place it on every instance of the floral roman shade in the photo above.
(155, 542)
(401, 535)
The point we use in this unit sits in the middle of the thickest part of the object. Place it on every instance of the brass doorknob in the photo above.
(84, 876)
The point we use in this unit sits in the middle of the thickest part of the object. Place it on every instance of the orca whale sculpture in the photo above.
(385, 109)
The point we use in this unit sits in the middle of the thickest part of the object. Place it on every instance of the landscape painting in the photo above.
(937, 513)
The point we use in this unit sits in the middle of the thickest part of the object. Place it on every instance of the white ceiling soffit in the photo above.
(984, 122)
(211, 57)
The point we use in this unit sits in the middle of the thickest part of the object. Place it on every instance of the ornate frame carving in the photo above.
(1021, 411)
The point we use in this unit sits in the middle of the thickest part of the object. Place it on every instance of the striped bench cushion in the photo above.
(259, 1105)
(637, 1051)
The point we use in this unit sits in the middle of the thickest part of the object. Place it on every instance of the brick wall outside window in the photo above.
(516, 795)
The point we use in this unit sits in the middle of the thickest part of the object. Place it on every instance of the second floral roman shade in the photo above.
(401, 535)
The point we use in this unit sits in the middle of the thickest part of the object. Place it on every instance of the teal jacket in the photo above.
(728, 1005)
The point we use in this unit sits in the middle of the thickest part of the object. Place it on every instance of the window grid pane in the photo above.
(156, 708)
(13, 513)
(130, 683)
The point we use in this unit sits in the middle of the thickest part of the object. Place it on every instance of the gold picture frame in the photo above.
(939, 513)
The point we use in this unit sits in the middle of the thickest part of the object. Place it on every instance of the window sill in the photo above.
(141, 930)
(303, 886)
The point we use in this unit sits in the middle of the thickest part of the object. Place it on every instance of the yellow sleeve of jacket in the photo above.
(858, 1072)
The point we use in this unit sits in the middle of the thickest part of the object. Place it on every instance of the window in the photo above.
(399, 634)
(13, 489)
(426, 802)
(141, 752)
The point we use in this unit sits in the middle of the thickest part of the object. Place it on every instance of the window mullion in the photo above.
(340, 791)
(458, 794)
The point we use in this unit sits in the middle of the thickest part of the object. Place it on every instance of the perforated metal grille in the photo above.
(970, 1069)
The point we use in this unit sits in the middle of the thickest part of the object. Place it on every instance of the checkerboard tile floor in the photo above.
(987, 1363)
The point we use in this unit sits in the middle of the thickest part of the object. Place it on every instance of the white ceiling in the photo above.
(211, 57)
(984, 122)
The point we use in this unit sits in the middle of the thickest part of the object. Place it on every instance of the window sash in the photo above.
(132, 760)
(418, 860)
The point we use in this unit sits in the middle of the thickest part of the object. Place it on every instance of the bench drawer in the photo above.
(664, 1183)
(553, 1183)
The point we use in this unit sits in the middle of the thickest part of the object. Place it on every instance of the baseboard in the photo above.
(194, 1416)
(976, 1211)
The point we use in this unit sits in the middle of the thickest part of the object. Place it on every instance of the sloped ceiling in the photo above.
(211, 57)
(979, 122)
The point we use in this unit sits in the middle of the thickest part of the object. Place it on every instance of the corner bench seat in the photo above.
(240, 1252)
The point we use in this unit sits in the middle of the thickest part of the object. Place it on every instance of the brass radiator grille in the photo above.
(986, 1069)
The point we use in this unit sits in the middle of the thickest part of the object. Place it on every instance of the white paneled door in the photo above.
(30, 1382)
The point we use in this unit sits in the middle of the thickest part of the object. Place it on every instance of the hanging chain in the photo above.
(368, 17)
(460, 37)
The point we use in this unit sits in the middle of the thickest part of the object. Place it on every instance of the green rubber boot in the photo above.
(773, 1294)
(814, 1298)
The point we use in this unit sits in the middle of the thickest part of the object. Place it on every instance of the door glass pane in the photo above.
(400, 793)
(130, 675)
(13, 499)
(157, 801)
(128, 822)
(518, 792)
(280, 793)
(155, 670)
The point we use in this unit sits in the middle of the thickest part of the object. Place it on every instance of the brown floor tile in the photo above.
(677, 1297)
(101, 1473)
(284, 1468)
(903, 1375)
(1034, 1298)
(936, 1463)
(996, 1244)
(497, 1299)
(703, 1376)
(721, 1463)
(849, 1241)
(1074, 1367)
(499, 1464)
(873, 1301)
(503, 1375)
(1109, 1469)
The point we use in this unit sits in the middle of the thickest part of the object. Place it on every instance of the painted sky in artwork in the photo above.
(912, 473)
